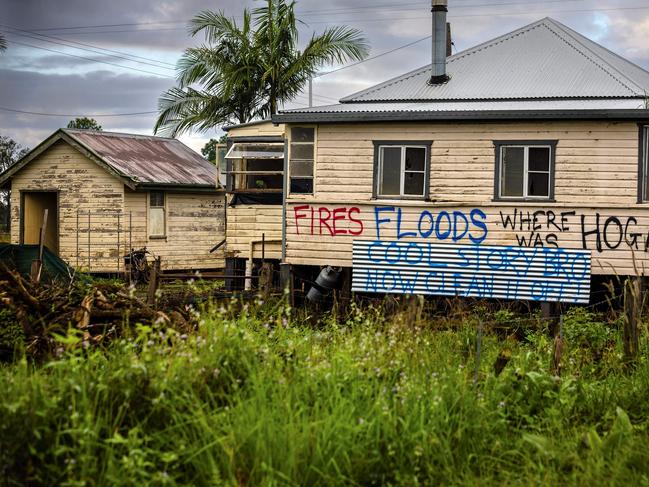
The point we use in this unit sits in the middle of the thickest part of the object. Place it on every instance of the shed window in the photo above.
(401, 170)
(301, 158)
(525, 170)
(644, 164)
(157, 217)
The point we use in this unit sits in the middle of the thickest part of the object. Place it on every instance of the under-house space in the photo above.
(33, 206)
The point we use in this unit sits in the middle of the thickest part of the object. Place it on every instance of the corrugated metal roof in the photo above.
(147, 159)
(545, 59)
(476, 106)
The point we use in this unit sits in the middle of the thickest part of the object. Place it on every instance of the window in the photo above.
(302, 154)
(401, 169)
(256, 167)
(157, 214)
(643, 171)
(525, 170)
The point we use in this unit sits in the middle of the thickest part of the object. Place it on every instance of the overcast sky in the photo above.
(99, 57)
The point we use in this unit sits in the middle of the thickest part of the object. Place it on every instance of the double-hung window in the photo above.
(643, 171)
(157, 217)
(301, 158)
(525, 170)
(401, 169)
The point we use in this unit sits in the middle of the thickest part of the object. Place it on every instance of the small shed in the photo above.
(106, 193)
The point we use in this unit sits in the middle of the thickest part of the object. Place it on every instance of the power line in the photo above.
(499, 14)
(372, 57)
(398, 6)
(89, 59)
(95, 51)
(43, 114)
(89, 45)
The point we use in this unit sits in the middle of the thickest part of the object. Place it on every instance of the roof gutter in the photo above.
(471, 116)
(180, 188)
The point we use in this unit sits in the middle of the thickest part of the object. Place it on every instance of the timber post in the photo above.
(632, 306)
(286, 280)
(154, 279)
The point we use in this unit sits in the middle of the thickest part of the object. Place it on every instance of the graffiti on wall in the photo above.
(471, 270)
(530, 227)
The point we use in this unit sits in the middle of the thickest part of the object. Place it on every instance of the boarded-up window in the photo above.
(157, 217)
(525, 170)
(302, 156)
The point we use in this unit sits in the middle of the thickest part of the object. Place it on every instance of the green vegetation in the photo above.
(247, 70)
(262, 394)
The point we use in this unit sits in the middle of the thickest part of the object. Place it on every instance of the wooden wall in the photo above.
(82, 185)
(595, 178)
(195, 221)
(249, 222)
(195, 224)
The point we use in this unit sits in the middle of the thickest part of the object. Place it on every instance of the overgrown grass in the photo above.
(258, 397)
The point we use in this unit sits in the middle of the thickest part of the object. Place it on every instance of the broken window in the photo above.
(525, 170)
(257, 166)
(401, 170)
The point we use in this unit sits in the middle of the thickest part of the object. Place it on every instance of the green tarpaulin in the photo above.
(20, 257)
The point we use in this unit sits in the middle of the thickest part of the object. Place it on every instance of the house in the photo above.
(254, 188)
(538, 138)
(106, 193)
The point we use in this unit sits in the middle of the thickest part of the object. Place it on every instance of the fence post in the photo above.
(154, 278)
(632, 297)
(77, 238)
(118, 248)
(88, 240)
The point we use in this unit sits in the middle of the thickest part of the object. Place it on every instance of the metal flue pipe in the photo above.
(439, 8)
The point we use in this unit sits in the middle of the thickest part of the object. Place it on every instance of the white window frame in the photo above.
(290, 158)
(526, 146)
(164, 215)
(402, 171)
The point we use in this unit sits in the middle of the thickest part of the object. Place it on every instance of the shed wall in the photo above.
(82, 186)
(195, 224)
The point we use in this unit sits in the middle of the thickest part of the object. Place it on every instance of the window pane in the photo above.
(538, 184)
(302, 134)
(301, 185)
(390, 162)
(157, 198)
(539, 159)
(512, 171)
(156, 221)
(413, 183)
(415, 159)
(301, 168)
(301, 151)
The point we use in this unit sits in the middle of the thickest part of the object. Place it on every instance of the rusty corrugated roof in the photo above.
(146, 159)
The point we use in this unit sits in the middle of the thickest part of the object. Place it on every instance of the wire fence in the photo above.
(102, 240)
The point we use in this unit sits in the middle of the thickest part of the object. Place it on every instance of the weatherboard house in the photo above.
(106, 193)
(536, 142)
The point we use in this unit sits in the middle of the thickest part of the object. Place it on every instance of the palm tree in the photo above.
(245, 72)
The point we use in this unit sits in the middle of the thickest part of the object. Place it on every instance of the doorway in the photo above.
(33, 205)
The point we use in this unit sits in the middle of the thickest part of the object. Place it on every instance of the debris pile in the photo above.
(100, 310)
